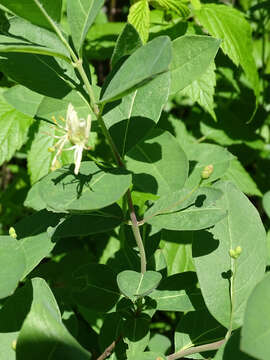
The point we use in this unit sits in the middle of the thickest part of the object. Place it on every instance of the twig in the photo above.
(107, 352)
(196, 349)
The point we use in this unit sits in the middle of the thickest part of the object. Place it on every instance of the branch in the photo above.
(196, 349)
(107, 352)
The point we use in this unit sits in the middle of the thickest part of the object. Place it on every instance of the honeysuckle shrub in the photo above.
(127, 226)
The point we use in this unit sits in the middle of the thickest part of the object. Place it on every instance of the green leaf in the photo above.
(40, 73)
(186, 210)
(237, 174)
(147, 355)
(158, 163)
(256, 326)
(34, 241)
(197, 328)
(127, 42)
(231, 349)
(202, 90)
(144, 64)
(23, 99)
(177, 293)
(159, 343)
(43, 329)
(92, 189)
(33, 199)
(139, 17)
(39, 158)
(132, 119)
(12, 265)
(136, 333)
(14, 129)
(192, 56)
(22, 36)
(81, 15)
(230, 25)
(101, 40)
(35, 249)
(11, 44)
(94, 286)
(178, 6)
(31, 10)
(12, 315)
(233, 130)
(176, 248)
(100, 221)
(135, 285)
(266, 203)
(239, 228)
(58, 106)
(201, 155)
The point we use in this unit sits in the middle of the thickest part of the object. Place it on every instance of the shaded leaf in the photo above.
(158, 163)
(94, 286)
(138, 112)
(43, 329)
(127, 42)
(10, 253)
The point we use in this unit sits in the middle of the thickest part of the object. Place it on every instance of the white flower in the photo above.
(77, 132)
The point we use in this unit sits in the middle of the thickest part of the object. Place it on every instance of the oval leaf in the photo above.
(192, 55)
(242, 227)
(81, 15)
(158, 163)
(256, 326)
(92, 189)
(134, 285)
(145, 63)
(31, 10)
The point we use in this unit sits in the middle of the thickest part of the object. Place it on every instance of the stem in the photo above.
(196, 349)
(57, 30)
(107, 352)
(136, 232)
(98, 112)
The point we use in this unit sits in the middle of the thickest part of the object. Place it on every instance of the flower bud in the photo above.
(14, 344)
(235, 253)
(207, 171)
(12, 233)
(238, 250)
(51, 149)
(232, 254)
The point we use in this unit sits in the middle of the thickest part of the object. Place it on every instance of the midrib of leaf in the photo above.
(170, 296)
(139, 285)
(56, 73)
(233, 43)
(202, 342)
(128, 122)
(85, 21)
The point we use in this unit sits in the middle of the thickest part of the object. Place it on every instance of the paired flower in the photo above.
(77, 132)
